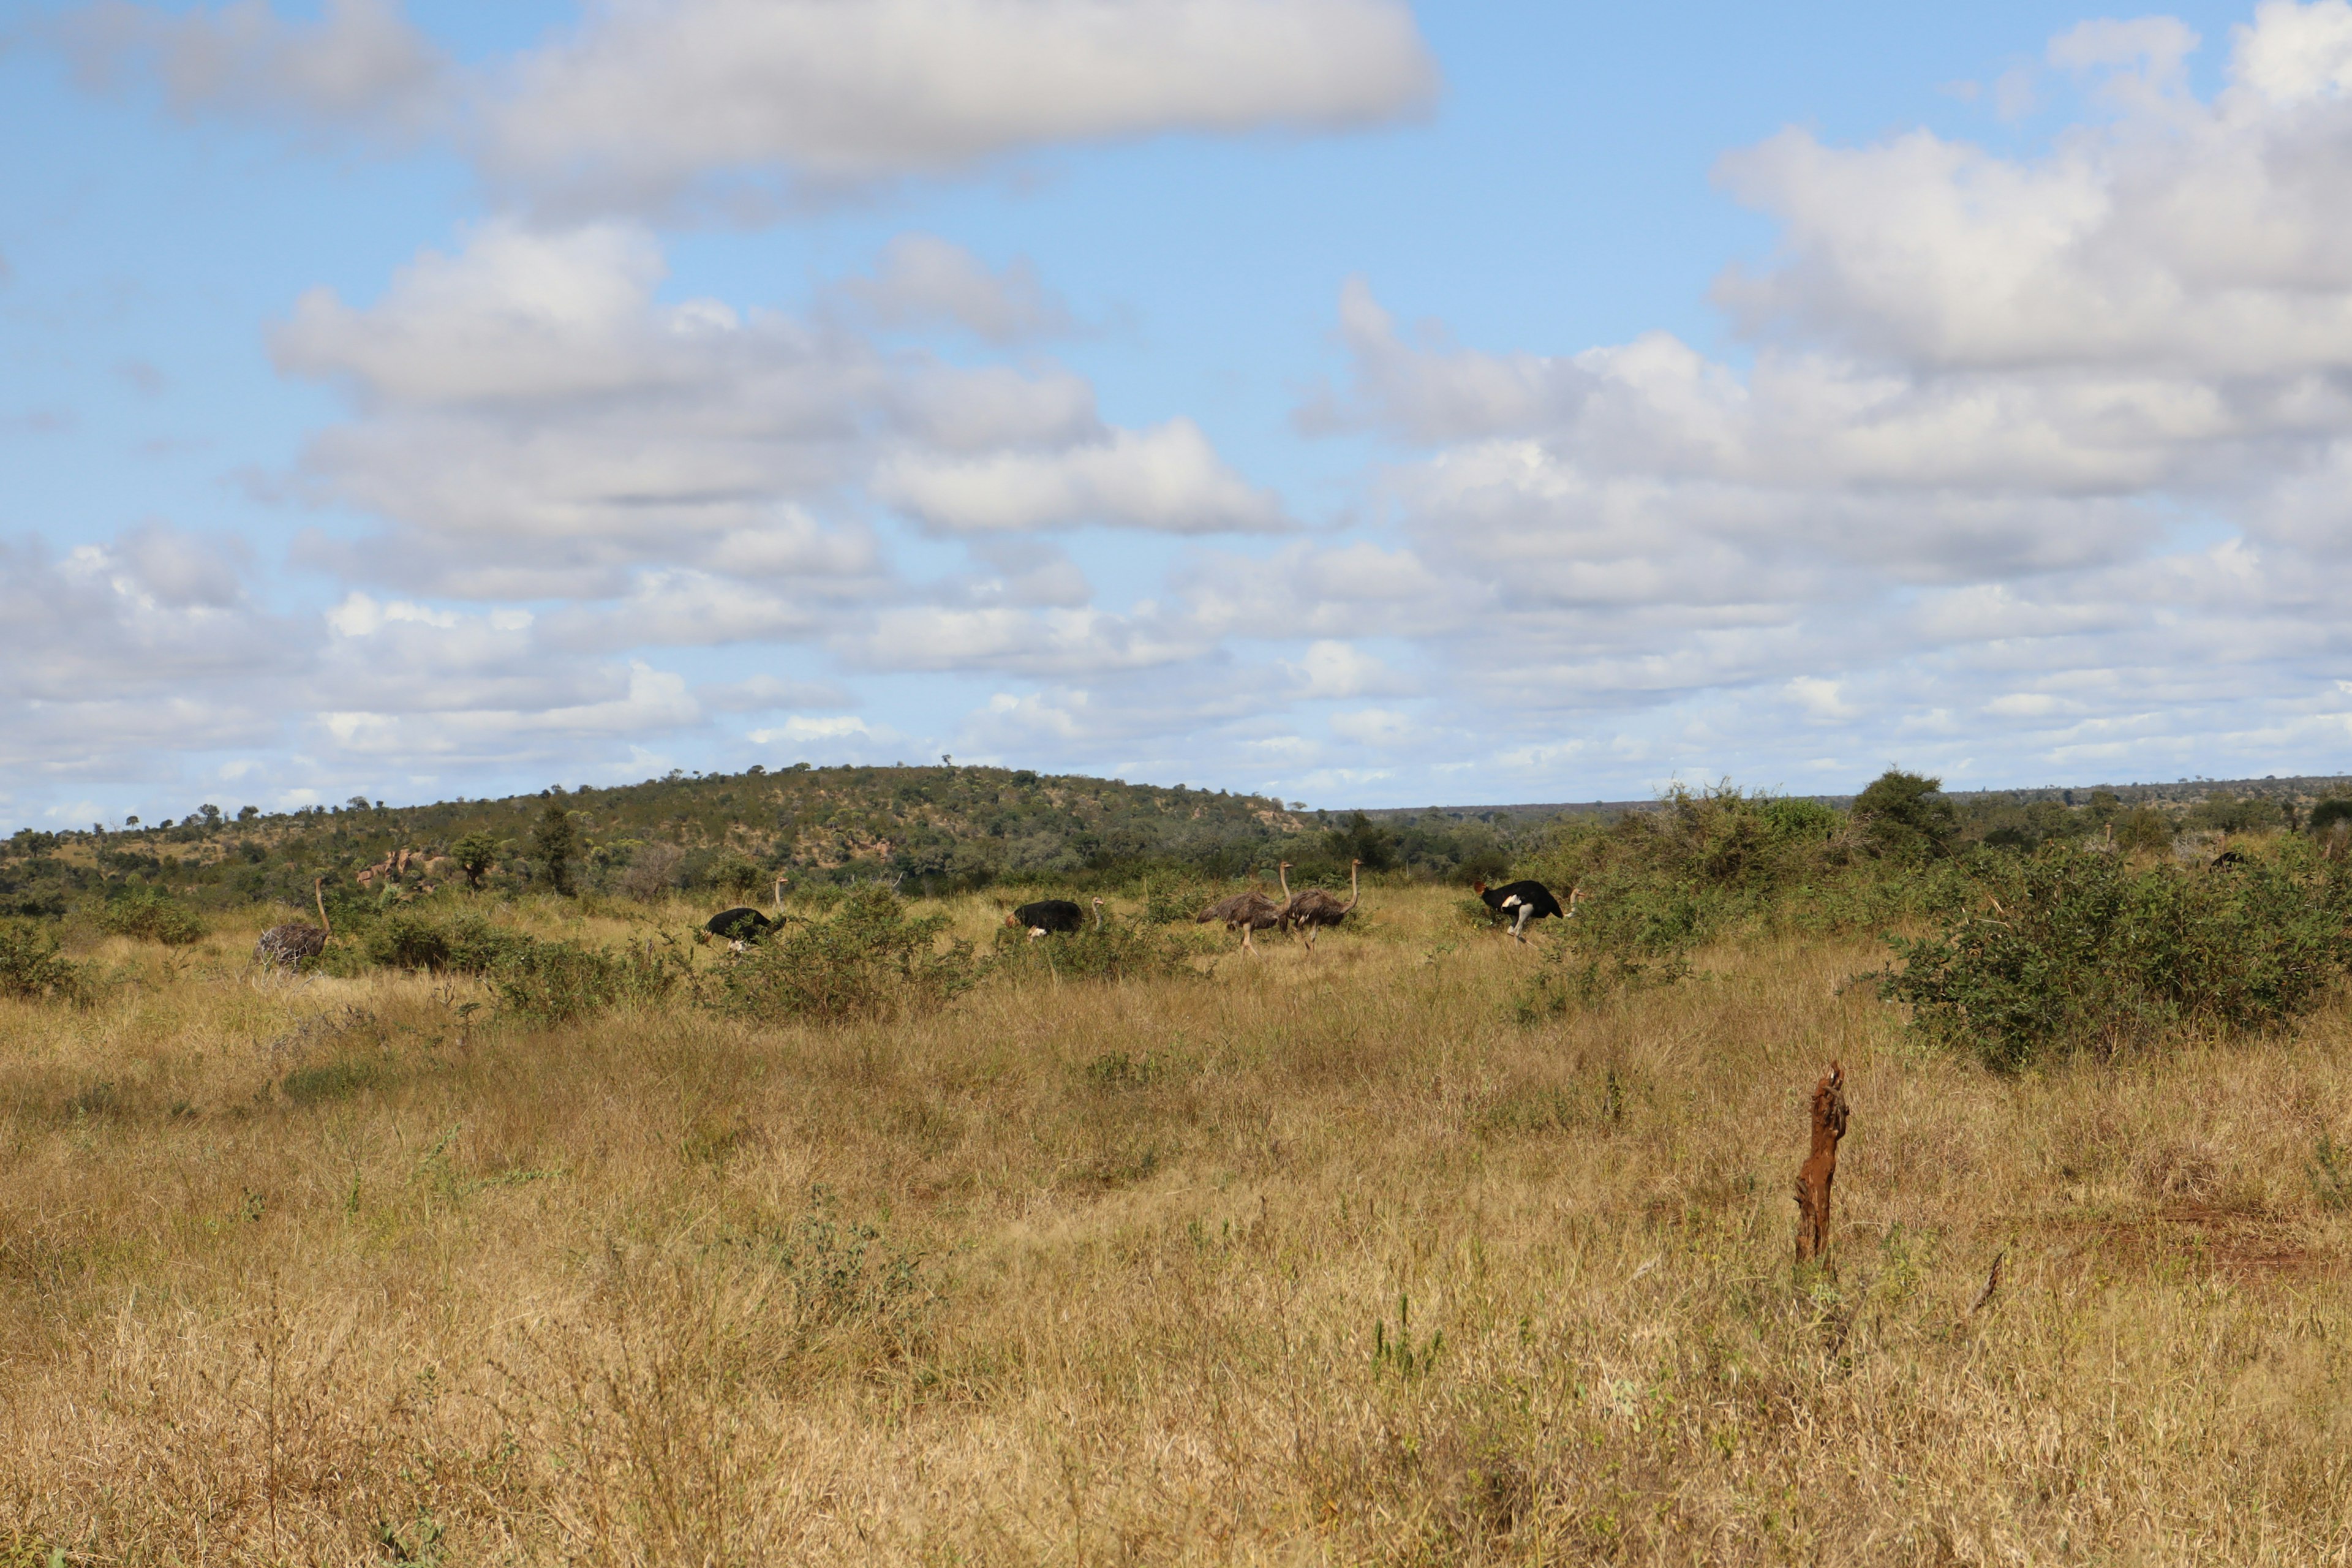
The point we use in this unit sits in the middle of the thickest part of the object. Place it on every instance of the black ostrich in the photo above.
(743, 925)
(1529, 901)
(1049, 915)
(739, 925)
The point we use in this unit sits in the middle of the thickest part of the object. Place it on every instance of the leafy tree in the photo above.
(2144, 828)
(2327, 814)
(557, 845)
(1907, 816)
(475, 853)
(1360, 838)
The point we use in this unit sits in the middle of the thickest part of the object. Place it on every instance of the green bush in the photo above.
(548, 982)
(465, 943)
(2327, 814)
(1907, 816)
(2069, 950)
(1117, 951)
(871, 959)
(146, 913)
(31, 967)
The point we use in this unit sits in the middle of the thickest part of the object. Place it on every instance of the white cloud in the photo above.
(360, 63)
(1338, 669)
(1374, 726)
(1168, 479)
(649, 101)
(1986, 390)
(926, 278)
(533, 422)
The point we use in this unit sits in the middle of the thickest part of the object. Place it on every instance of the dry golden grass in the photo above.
(1312, 1260)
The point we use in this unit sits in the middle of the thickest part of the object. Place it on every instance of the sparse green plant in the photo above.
(31, 967)
(2331, 1173)
(1395, 1351)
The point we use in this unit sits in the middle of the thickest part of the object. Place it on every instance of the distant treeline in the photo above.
(939, 830)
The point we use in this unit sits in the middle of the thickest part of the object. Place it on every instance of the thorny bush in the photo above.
(870, 959)
(148, 913)
(2071, 949)
(31, 967)
(464, 943)
(549, 982)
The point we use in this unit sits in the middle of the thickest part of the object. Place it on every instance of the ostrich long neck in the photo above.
(779, 895)
(319, 893)
(1098, 914)
(1355, 890)
(1281, 875)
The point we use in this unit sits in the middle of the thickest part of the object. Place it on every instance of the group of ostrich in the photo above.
(1310, 909)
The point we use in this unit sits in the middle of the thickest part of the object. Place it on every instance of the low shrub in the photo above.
(146, 913)
(1173, 899)
(31, 967)
(2067, 950)
(1116, 951)
(1568, 979)
(870, 959)
(465, 943)
(549, 982)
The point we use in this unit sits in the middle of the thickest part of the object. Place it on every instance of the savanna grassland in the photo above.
(1356, 1256)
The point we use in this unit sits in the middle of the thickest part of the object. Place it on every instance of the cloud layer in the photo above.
(645, 102)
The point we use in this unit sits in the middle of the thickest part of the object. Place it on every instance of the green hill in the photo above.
(928, 829)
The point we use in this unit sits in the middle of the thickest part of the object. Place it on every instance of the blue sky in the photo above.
(1363, 404)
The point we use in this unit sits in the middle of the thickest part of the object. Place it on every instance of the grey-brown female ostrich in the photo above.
(1243, 912)
(286, 946)
(1311, 908)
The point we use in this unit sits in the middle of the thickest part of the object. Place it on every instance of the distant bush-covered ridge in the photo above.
(920, 830)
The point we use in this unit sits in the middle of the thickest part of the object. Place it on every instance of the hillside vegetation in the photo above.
(924, 829)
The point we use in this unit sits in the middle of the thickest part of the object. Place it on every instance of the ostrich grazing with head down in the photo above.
(1047, 916)
(286, 946)
(1312, 908)
(1529, 901)
(1244, 912)
(743, 924)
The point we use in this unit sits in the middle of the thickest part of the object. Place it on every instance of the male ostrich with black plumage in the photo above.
(1528, 901)
(1311, 908)
(743, 925)
(1051, 917)
(286, 946)
(1244, 912)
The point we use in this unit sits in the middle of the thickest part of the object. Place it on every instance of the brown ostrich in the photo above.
(1243, 912)
(1821, 1166)
(1311, 908)
(286, 946)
